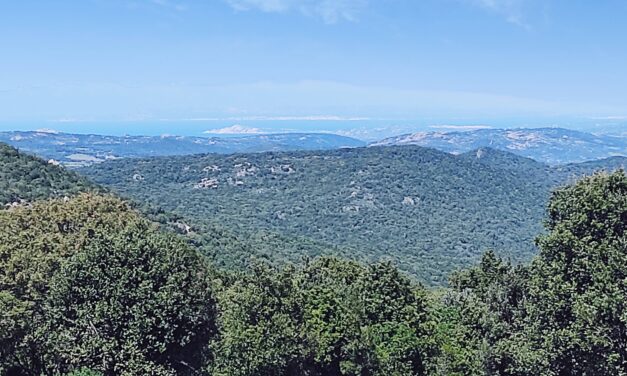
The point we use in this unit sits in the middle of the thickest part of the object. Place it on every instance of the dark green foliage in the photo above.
(329, 317)
(562, 315)
(479, 317)
(89, 287)
(427, 211)
(84, 372)
(577, 313)
(26, 178)
(89, 283)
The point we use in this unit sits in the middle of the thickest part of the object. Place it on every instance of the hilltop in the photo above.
(549, 145)
(428, 211)
(24, 177)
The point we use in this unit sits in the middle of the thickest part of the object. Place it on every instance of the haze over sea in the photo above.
(361, 128)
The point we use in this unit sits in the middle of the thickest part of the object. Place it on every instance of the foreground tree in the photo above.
(89, 283)
(578, 309)
(480, 316)
(330, 317)
(565, 314)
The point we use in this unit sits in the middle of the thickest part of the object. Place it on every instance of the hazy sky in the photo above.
(121, 60)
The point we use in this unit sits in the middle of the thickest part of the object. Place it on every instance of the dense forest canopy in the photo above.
(91, 286)
(88, 286)
(89, 282)
(24, 177)
(427, 211)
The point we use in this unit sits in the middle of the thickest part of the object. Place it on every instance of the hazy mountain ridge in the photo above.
(429, 211)
(549, 145)
(74, 150)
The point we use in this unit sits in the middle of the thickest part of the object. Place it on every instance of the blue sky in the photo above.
(240, 62)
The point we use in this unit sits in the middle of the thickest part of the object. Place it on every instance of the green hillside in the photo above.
(427, 211)
(88, 286)
(24, 177)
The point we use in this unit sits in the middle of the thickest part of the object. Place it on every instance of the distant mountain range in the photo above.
(549, 145)
(75, 150)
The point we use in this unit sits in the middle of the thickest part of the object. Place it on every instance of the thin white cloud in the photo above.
(277, 118)
(47, 130)
(460, 127)
(613, 117)
(303, 118)
(108, 102)
(512, 10)
(330, 11)
(235, 129)
(170, 4)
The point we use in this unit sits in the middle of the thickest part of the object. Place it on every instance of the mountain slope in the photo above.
(428, 211)
(24, 177)
(548, 145)
(80, 150)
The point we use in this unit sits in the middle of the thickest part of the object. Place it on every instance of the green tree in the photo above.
(258, 325)
(328, 317)
(28, 178)
(578, 312)
(479, 317)
(90, 283)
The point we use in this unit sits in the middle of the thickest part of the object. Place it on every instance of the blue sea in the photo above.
(367, 130)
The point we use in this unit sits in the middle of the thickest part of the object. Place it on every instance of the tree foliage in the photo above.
(89, 286)
(89, 283)
(329, 317)
(578, 312)
(428, 211)
(24, 177)
(563, 314)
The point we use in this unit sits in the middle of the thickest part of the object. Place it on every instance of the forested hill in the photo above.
(428, 211)
(24, 177)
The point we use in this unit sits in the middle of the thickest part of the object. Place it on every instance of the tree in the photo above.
(480, 316)
(328, 317)
(258, 325)
(93, 284)
(578, 309)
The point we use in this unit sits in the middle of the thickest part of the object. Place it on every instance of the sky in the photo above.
(348, 66)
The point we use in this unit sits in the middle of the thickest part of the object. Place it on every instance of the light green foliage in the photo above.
(257, 324)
